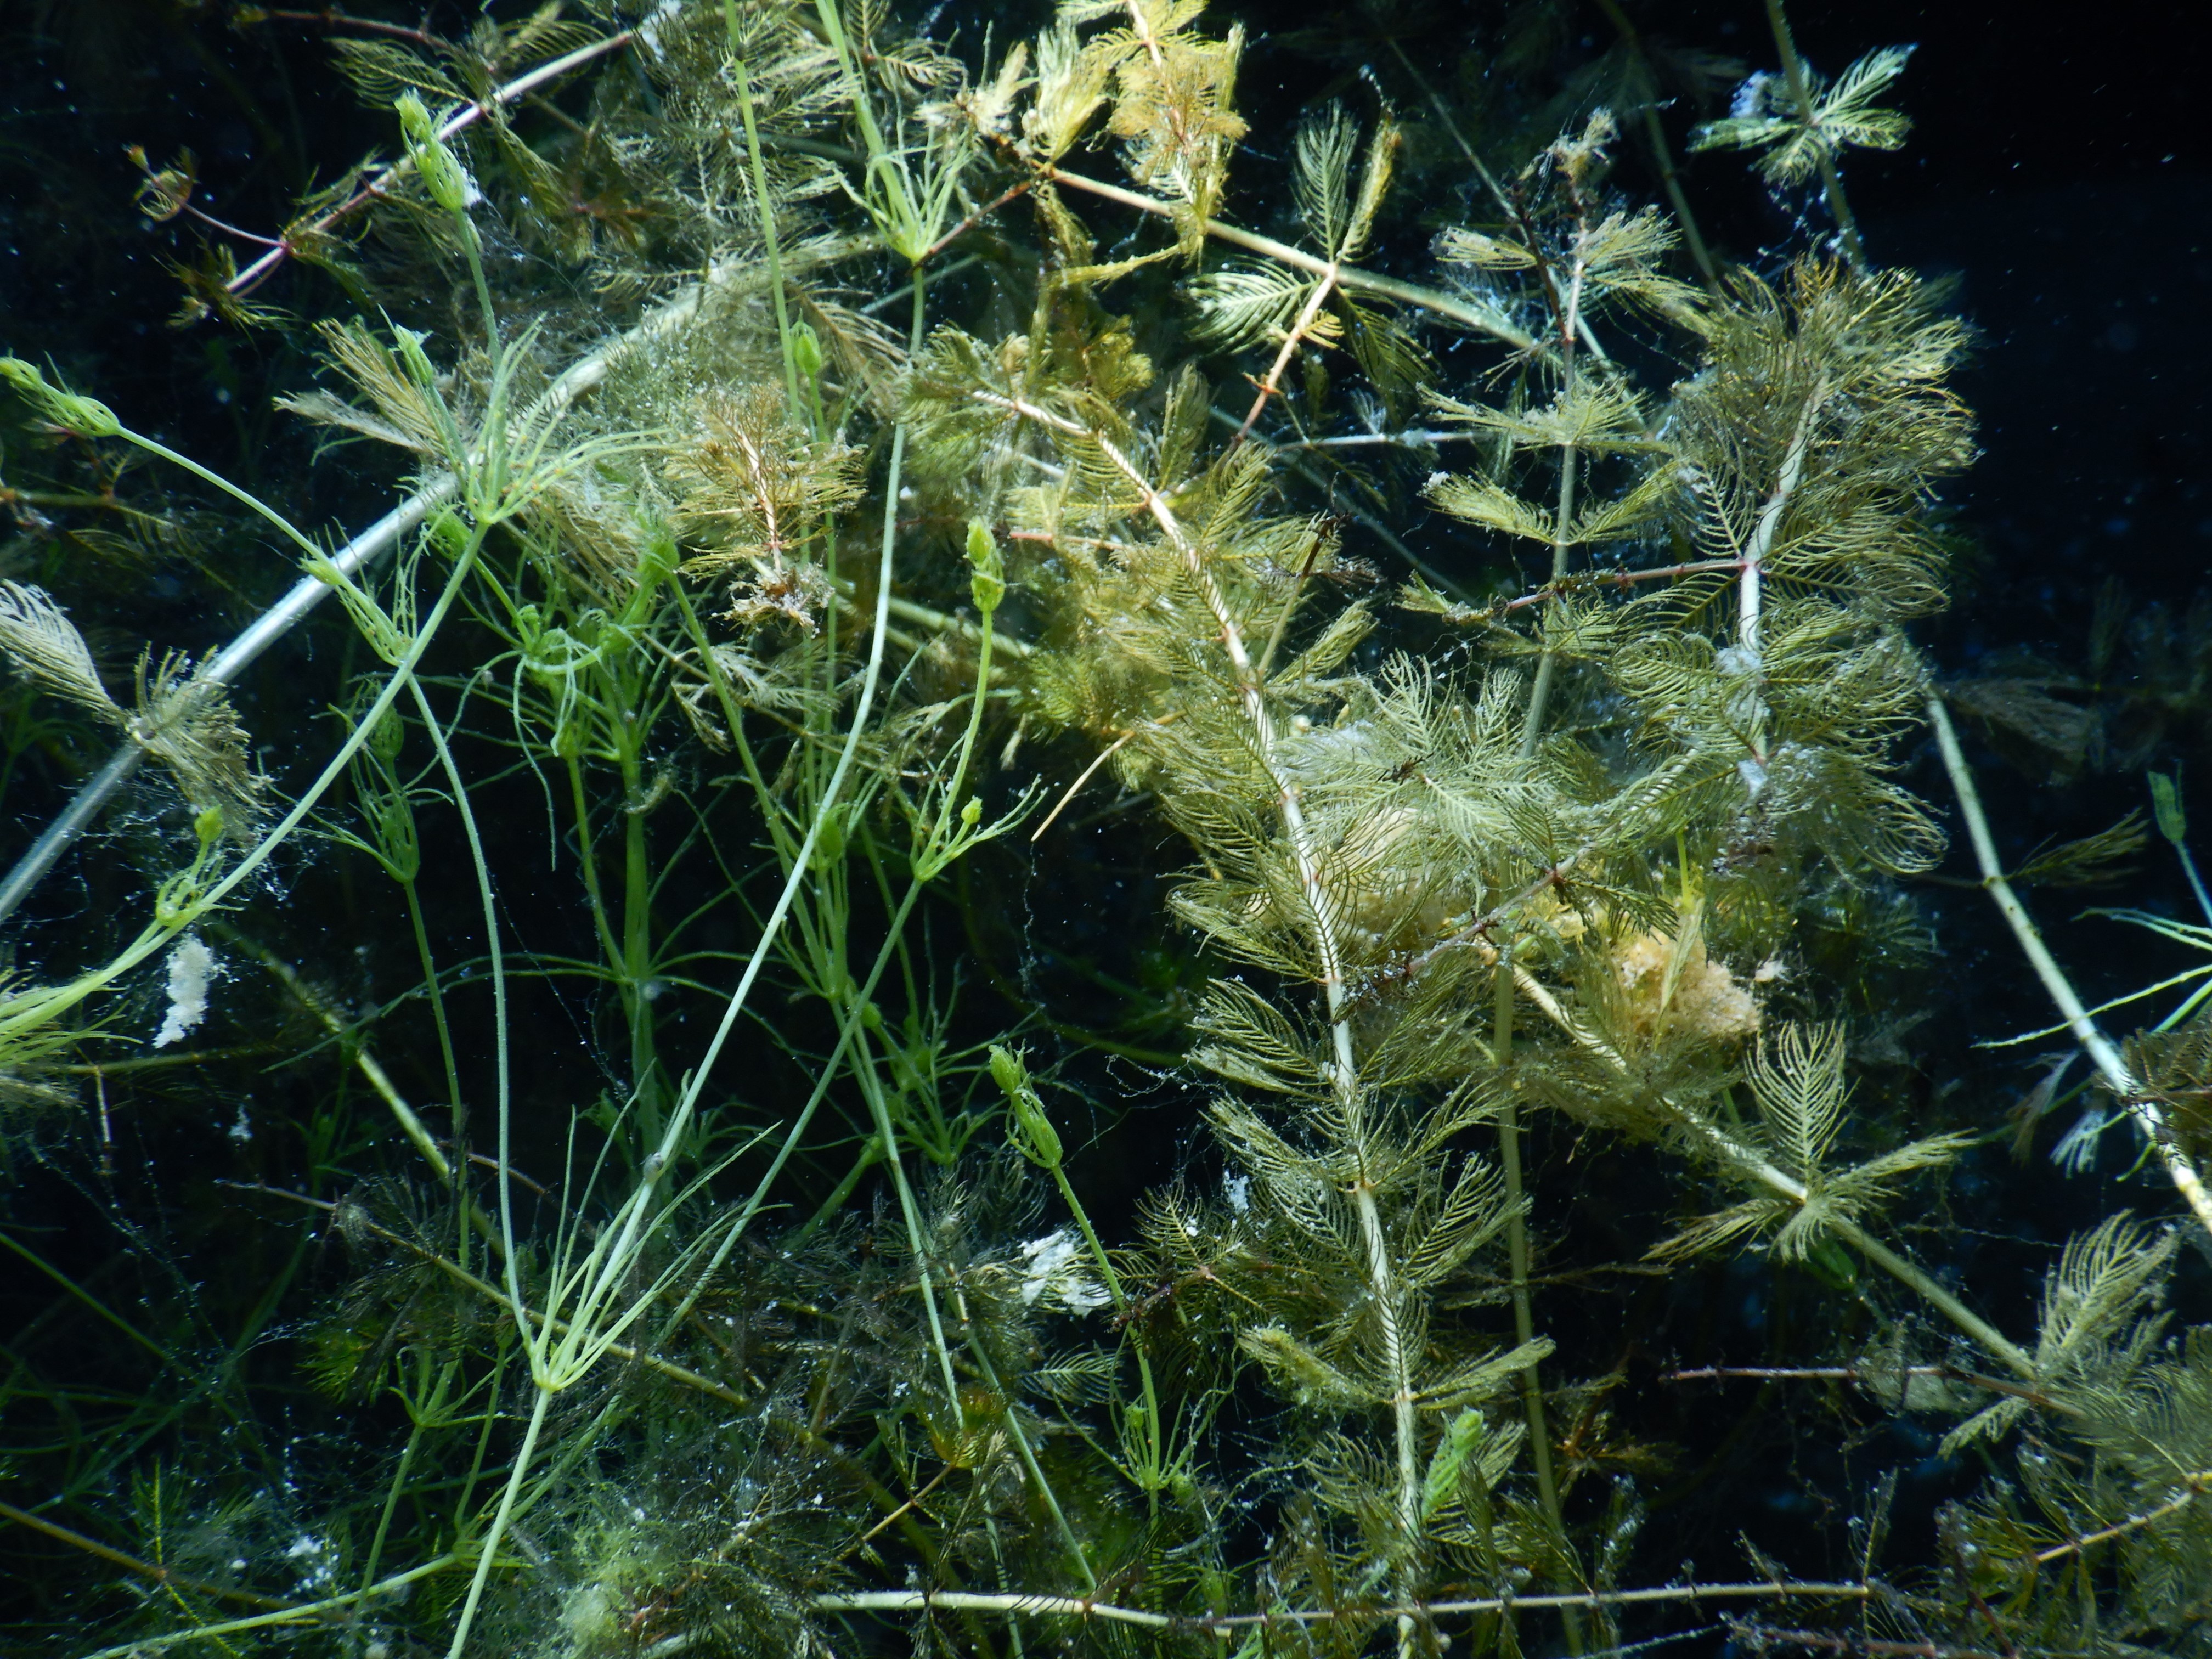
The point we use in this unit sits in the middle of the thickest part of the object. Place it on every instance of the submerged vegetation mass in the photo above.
(1006, 920)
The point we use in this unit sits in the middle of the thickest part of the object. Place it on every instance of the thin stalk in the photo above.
(1532, 728)
(1800, 94)
(871, 679)
(436, 997)
(208, 476)
(1751, 579)
(864, 1073)
(159, 1574)
(766, 207)
(1662, 157)
(488, 1551)
(1019, 1436)
(400, 1476)
(306, 1612)
(1084, 1609)
(1156, 1448)
(2149, 1114)
(502, 1072)
(637, 937)
(537, 1317)
(588, 866)
(1516, 1247)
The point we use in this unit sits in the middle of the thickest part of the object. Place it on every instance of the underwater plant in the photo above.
(977, 1035)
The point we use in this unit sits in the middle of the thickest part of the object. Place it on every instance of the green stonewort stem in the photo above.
(766, 207)
(1156, 1446)
(802, 857)
(849, 1029)
(488, 1550)
(163, 1576)
(78, 1293)
(487, 1421)
(941, 844)
(637, 931)
(587, 864)
(2112, 1065)
(1800, 94)
(435, 993)
(1019, 1436)
(872, 1088)
(502, 1072)
(871, 678)
(410, 1123)
(538, 1318)
(253, 503)
(414, 1429)
(870, 1153)
(303, 1613)
(1516, 1249)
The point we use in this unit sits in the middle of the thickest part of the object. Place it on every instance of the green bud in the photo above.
(2165, 801)
(415, 120)
(986, 582)
(386, 737)
(829, 845)
(442, 174)
(414, 359)
(658, 558)
(972, 813)
(208, 826)
(450, 533)
(87, 417)
(1035, 1137)
(806, 351)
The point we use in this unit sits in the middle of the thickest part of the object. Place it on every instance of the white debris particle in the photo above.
(1055, 1272)
(191, 966)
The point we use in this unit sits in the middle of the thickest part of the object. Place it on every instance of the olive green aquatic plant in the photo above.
(1528, 907)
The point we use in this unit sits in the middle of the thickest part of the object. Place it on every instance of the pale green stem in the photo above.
(2149, 1114)
(766, 207)
(498, 958)
(1800, 94)
(1155, 1446)
(1516, 1249)
(205, 474)
(1539, 694)
(488, 1552)
(1085, 1608)
(304, 1612)
(1019, 1436)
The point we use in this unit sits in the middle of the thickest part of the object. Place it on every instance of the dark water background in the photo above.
(2058, 170)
